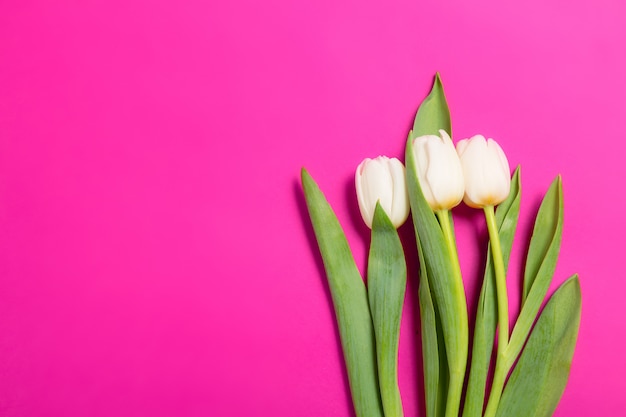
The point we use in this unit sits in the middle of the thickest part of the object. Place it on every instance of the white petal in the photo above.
(361, 193)
(400, 204)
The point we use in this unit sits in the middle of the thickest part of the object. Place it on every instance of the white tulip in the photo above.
(438, 170)
(382, 179)
(486, 171)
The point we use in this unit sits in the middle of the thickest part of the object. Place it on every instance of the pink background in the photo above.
(156, 257)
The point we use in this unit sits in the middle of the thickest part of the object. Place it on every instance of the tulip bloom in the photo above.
(486, 171)
(438, 170)
(382, 179)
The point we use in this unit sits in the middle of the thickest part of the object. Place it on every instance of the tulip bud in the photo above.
(438, 170)
(382, 179)
(486, 171)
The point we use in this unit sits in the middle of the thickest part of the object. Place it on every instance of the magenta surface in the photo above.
(156, 256)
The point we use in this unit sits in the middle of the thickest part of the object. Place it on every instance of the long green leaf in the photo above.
(433, 114)
(350, 301)
(540, 376)
(430, 348)
(546, 238)
(444, 280)
(444, 371)
(542, 256)
(386, 283)
(507, 215)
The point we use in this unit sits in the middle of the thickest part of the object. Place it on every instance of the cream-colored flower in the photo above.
(486, 171)
(382, 179)
(438, 170)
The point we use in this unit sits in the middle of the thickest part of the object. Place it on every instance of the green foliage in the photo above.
(433, 114)
(546, 239)
(540, 263)
(538, 380)
(440, 263)
(386, 281)
(431, 327)
(350, 301)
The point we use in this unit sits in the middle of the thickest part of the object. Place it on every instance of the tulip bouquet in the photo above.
(527, 373)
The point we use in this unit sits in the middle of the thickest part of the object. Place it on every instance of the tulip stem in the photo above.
(457, 359)
(448, 234)
(502, 367)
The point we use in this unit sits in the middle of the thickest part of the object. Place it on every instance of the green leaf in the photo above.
(386, 282)
(445, 283)
(350, 301)
(539, 378)
(546, 239)
(444, 373)
(439, 265)
(433, 114)
(430, 327)
(540, 264)
(507, 214)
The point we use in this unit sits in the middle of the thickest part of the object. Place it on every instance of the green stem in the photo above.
(498, 264)
(502, 366)
(457, 361)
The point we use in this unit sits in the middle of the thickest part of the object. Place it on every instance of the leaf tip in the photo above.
(381, 219)
(308, 183)
(575, 278)
(438, 84)
(517, 175)
(573, 284)
(558, 181)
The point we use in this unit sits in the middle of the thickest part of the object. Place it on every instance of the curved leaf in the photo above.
(446, 286)
(434, 358)
(433, 114)
(350, 302)
(546, 238)
(540, 264)
(386, 282)
(539, 378)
